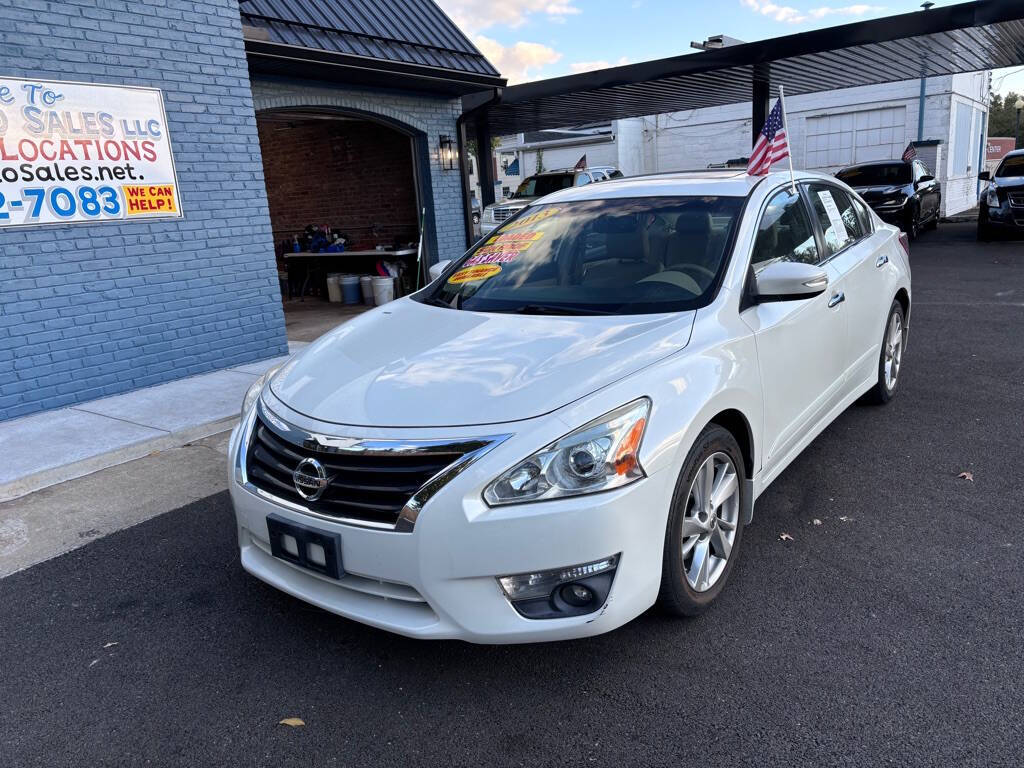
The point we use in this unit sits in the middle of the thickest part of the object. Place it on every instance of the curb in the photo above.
(55, 475)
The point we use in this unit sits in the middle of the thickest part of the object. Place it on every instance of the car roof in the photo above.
(560, 171)
(873, 163)
(1013, 153)
(721, 183)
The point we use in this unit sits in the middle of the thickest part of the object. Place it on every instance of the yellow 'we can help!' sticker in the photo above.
(474, 273)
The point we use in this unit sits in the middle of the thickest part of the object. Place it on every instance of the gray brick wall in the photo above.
(92, 310)
(429, 115)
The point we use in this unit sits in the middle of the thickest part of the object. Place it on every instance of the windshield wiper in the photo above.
(554, 309)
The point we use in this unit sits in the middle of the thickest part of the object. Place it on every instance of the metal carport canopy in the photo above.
(967, 37)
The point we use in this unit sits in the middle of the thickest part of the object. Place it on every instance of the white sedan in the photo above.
(573, 422)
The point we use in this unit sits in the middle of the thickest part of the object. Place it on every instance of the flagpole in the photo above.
(789, 140)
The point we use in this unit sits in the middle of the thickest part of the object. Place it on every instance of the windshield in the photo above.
(1011, 167)
(628, 256)
(538, 186)
(896, 174)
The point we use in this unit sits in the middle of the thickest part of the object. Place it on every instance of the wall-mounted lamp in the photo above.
(447, 152)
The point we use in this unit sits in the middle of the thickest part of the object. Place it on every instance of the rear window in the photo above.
(626, 256)
(538, 186)
(1011, 167)
(877, 175)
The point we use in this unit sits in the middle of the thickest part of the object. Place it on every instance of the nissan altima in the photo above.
(573, 422)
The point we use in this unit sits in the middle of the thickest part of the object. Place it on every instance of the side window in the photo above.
(785, 233)
(616, 174)
(837, 217)
(583, 178)
(864, 214)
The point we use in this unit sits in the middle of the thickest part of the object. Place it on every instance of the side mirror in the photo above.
(926, 177)
(436, 269)
(985, 176)
(788, 281)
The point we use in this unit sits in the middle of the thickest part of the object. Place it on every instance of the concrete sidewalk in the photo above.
(54, 446)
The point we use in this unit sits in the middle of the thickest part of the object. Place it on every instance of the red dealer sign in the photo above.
(78, 152)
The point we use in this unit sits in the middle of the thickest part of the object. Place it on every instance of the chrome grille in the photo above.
(374, 483)
(500, 214)
(1017, 199)
(360, 487)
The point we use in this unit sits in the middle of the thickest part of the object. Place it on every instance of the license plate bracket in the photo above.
(310, 548)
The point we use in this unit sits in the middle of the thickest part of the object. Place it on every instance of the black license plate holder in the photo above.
(279, 528)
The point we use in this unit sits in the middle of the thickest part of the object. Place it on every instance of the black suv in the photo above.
(901, 193)
(1001, 209)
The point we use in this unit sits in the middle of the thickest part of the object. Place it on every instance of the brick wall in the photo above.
(355, 176)
(91, 310)
(431, 116)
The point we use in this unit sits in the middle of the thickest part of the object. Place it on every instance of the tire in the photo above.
(912, 225)
(681, 575)
(890, 357)
(476, 217)
(934, 223)
(984, 230)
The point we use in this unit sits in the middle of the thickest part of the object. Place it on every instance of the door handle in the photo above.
(837, 299)
(882, 260)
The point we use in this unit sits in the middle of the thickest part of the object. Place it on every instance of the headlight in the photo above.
(894, 201)
(252, 394)
(598, 456)
(992, 197)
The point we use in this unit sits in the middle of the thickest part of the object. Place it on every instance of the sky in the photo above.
(534, 39)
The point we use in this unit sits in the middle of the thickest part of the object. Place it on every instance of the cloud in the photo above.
(517, 62)
(589, 66)
(790, 15)
(475, 15)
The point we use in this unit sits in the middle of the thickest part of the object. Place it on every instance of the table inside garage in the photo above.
(316, 266)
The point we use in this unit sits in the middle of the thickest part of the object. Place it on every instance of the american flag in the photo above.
(771, 145)
(909, 153)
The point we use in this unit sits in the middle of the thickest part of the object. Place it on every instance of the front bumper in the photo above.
(439, 580)
(1005, 218)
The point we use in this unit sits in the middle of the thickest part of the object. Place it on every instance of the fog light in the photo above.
(572, 591)
(577, 595)
(529, 586)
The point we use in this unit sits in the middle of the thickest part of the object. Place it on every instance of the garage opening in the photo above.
(343, 197)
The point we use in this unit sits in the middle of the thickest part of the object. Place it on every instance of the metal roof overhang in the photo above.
(277, 59)
(960, 38)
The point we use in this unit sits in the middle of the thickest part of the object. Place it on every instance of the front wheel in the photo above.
(705, 525)
(890, 359)
(912, 224)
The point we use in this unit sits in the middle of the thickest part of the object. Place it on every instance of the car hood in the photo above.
(514, 203)
(1008, 182)
(414, 365)
(879, 191)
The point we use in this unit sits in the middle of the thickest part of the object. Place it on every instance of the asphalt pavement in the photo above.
(886, 632)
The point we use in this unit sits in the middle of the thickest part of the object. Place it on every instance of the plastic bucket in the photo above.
(366, 287)
(333, 289)
(383, 290)
(350, 289)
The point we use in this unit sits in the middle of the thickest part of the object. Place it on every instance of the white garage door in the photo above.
(857, 137)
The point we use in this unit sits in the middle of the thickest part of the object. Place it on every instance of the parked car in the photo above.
(901, 193)
(574, 420)
(540, 184)
(1001, 209)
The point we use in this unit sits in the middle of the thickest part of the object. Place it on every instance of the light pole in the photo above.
(1016, 131)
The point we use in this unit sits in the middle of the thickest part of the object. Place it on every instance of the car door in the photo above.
(801, 345)
(856, 255)
(928, 191)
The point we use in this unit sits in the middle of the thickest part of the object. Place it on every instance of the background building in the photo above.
(280, 115)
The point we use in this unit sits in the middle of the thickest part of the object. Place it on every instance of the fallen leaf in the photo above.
(816, 521)
(94, 662)
(109, 645)
(966, 476)
(785, 537)
(845, 518)
(293, 722)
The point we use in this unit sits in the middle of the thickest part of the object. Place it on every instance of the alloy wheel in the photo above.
(710, 521)
(893, 350)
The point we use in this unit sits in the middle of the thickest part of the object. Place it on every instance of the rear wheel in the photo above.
(890, 359)
(705, 524)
